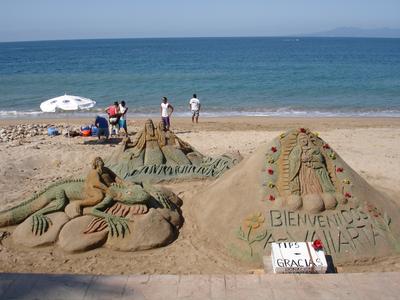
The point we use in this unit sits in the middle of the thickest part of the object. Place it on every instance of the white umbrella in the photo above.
(67, 102)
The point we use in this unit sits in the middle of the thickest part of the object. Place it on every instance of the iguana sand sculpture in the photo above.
(158, 154)
(108, 203)
(297, 188)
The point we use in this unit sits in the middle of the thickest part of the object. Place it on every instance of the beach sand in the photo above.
(371, 146)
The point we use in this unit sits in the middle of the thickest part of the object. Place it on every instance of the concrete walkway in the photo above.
(316, 287)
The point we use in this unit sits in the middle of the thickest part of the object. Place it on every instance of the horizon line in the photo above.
(200, 37)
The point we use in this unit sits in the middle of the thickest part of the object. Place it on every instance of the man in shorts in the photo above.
(166, 110)
(194, 105)
(123, 109)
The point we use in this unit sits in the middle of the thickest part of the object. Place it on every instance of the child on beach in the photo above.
(166, 110)
(123, 109)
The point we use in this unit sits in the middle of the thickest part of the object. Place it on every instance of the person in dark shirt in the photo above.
(102, 126)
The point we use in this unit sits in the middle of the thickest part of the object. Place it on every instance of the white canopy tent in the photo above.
(67, 103)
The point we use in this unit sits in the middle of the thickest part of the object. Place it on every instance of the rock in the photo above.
(172, 217)
(73, 239)
(72, 210)
(294, 202)
(23, 234)
(313, 203)
(147, 231)
(330, 201)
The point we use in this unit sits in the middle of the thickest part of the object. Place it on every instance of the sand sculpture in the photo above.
(101, 209)
(158, 154)
(298, 188)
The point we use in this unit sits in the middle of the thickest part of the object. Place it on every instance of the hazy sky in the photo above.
(70, 19)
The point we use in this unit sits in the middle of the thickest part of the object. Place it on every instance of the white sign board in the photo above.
(297, 257)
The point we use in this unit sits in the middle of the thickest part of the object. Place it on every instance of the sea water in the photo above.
(231, 76)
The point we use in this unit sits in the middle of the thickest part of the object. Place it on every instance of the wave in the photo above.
(146, 112)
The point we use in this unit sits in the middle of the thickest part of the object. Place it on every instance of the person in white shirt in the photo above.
(166, 110)
(123, 109)
(194, 105)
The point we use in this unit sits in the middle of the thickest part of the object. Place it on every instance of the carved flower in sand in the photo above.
(254, 221)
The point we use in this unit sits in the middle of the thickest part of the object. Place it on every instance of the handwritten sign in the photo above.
(297, 257)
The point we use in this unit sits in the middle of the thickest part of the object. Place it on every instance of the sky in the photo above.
(79, 19)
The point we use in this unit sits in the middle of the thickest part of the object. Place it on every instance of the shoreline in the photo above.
(238, 122)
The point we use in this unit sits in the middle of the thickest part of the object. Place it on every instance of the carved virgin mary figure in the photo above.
(308, 176)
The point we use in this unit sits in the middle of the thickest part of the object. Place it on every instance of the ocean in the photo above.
(277, 76)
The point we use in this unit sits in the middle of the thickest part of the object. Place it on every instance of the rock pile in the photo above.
(17, 132)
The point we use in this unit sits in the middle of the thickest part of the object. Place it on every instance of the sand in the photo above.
(369, 145)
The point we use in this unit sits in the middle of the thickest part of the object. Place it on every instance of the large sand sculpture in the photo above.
(105, 210)
(298, 188)
(99, 210)
(157, 154)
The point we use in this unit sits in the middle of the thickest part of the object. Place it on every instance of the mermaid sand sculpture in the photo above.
(99, 209)
(158, 154)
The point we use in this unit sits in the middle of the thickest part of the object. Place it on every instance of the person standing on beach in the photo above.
(194, 105)
(123, 109)
(113, 117)
(166, 110)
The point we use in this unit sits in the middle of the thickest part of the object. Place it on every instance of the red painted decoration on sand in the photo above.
(317, 245)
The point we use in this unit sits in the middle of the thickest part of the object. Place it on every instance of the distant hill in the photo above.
(359, 32)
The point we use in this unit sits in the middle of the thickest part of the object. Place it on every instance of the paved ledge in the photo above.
(148, 287)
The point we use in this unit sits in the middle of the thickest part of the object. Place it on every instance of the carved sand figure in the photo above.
(158, 154)
(173, 147)
(308, 176)
(297, 188)
(152, 155)
(97, 182)
(104, 203)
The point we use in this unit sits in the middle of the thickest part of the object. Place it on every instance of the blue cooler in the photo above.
(52, 131)
(94, 130)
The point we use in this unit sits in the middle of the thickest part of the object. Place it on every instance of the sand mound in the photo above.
(297, 189)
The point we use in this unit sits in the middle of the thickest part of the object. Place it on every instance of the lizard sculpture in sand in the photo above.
(99, 190)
